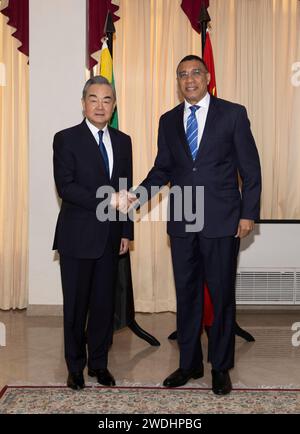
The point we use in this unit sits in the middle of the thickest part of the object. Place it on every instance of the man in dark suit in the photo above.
(205, 141)
(88, 156)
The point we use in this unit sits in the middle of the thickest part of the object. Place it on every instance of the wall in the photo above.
(57, 74)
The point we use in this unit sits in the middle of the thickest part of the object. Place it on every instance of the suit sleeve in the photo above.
(64, 175)
(127, 229)
(248, 166)
(159, 175)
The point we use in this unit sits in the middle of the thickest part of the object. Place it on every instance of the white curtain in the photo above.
(255, 43)
(13, 172)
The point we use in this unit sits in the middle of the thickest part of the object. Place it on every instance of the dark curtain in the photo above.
(17, 12)
(192, 9)
(97, 12)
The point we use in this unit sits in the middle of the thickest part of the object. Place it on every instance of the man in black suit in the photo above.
(205, 141)
(88, 156)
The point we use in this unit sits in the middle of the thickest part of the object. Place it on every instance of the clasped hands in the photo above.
(123, 201)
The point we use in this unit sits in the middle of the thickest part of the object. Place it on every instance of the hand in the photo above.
(124, 246)
(114, 200)
(132, 200)
(119, 200)
(123, 201)
(244, 228)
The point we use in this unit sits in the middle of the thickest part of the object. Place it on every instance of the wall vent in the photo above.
(261, 286)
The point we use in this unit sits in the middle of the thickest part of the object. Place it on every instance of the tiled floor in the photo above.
(34, 351)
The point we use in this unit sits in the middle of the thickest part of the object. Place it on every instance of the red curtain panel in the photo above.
(97, 13)
(17, 12)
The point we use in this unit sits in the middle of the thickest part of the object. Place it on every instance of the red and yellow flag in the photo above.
(208, 58)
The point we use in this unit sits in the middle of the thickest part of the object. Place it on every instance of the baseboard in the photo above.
(57, 309)
(45, 310)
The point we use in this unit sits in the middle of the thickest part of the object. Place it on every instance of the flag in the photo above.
(208, 314)
(208, 58)
(97, 14)
(106, 70)
(192, 9)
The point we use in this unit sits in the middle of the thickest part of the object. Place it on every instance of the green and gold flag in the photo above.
(106, 70)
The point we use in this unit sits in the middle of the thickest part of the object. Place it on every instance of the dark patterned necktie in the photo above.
(103, 151)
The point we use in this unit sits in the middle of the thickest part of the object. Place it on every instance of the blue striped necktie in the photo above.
(192, 131)
(103, 151)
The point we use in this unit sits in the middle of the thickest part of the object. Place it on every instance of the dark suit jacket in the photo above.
(79, 171)
(227, 147)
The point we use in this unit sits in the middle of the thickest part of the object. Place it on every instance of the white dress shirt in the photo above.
(201, 114)
(107, 143)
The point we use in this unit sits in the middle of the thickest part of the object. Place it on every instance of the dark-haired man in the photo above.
(206, 141)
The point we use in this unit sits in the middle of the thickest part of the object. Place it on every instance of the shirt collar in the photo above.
(204, 102)
(94, 129)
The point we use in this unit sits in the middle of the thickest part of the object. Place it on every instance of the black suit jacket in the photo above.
(79, 171)
(227, 147)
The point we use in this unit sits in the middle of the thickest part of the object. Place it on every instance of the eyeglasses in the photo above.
(195, 73)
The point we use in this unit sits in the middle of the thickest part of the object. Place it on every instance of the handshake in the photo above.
(124, 201)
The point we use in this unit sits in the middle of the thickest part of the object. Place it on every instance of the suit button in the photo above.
(194, 169)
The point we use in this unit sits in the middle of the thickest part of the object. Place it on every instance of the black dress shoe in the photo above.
(182, 376)
(75, 380)
(221, 383)
(104, 377)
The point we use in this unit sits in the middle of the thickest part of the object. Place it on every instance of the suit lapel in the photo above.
(92, 146)
(209, 125)
(114, 144)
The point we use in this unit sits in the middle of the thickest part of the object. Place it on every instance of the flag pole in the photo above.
(124, 300)
(204, 19)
